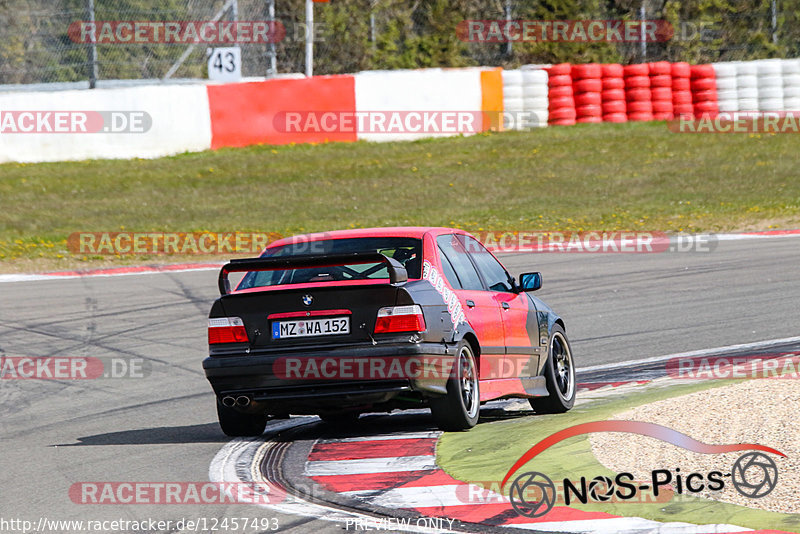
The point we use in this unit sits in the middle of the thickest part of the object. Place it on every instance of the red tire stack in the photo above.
(661, 90)
(637, 92)
(613, 95)
(561, 107)
(587, 85)
(681, 90)
(704, 90)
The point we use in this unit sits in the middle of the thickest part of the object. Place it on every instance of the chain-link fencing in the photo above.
(40, 44)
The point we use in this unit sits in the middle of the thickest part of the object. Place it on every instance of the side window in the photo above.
(449, 272)
(454, 252)
(492, 271)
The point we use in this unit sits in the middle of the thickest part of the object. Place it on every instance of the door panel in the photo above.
(521, 334)
(487, 322)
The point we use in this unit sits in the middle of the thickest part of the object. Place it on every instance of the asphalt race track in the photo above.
(161, 424)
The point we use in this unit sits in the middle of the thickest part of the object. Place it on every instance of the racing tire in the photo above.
(559, 372)
(460, 408)
(660, 68)
(681, 70)
(235, 424)
(613, 70)
(681, 84)
(559, 69)
(613, 83)
(661, 80)
(561, 91)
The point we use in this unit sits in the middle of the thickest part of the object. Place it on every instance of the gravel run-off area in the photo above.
(762, 411)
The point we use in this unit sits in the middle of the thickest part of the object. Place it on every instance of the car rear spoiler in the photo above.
(397, 273)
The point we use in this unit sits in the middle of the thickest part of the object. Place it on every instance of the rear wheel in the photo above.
(237, 424)
(559, 372)
(459, 409)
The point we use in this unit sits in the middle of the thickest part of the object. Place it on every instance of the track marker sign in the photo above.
(225, 64)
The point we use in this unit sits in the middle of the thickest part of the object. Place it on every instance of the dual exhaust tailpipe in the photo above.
(230, 401)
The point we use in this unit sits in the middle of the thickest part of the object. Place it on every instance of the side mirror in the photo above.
(530, 281)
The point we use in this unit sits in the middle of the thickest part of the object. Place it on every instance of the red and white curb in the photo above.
(240, 461)
(400, 472)
(186, 267)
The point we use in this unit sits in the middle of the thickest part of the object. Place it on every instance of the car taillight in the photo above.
(400, 319)
(226, 330)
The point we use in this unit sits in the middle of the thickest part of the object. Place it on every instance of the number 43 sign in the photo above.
(225, 64)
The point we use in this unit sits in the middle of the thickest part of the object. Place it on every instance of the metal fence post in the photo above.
(272, 66)
(774, 9)
(92, 52)
(508, 21)
(643, 37)
(309, 38)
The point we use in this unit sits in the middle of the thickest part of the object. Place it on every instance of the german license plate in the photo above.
(310, 327)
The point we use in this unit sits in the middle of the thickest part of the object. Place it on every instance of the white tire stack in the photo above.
(534, 97)
(770, 84)
(512, 99)
(727, 93)
(791, 85)
(747, 85)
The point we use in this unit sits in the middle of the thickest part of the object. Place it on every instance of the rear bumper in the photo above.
(346, 376)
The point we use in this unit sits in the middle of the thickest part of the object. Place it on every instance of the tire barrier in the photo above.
(770, 84)
(747, 85)
(727, 87)
(637, 92)
(561, 108)
(791, 85)
(613, 93)
(661, 90)
(587, 87)
(681, 89)
(704, 91)
(535, 97)
(525, 98)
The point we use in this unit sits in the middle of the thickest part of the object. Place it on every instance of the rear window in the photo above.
(406, 250)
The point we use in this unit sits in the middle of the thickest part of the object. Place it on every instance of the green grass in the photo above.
(481, 456)
(586, 177)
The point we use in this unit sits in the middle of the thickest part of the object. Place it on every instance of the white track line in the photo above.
(424, 496)
(703, 352)
(370, 465)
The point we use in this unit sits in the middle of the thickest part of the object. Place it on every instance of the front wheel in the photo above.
(237, 424)
(559, 372)
(459, 409)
